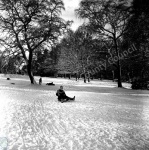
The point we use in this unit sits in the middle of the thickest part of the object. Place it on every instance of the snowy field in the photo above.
(102, 117)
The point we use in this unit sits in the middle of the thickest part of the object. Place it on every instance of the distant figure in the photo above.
(8, 78)
(62, 97)
(40, 81)
(50, 83)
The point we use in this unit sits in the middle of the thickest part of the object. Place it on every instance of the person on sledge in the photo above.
(62, 97)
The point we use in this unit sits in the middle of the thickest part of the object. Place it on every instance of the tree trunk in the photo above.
(30, 74)
(113, 75)
(76, 76)
(118, 63)
(29, 68)
(119, 74)
(84, 78)
(88, 77)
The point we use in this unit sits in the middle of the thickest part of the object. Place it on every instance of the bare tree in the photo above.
(107, 20)
(68, 59)
(29, 24)
(76, 52)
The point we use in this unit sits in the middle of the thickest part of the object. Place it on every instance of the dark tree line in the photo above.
(118, 45)
(112, 43)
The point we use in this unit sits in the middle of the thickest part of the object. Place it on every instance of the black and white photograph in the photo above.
(74, 74)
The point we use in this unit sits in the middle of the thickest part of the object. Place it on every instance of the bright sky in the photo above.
(69, 13)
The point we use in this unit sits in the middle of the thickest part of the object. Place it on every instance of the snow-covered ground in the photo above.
(31, 118)
(72, 82)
